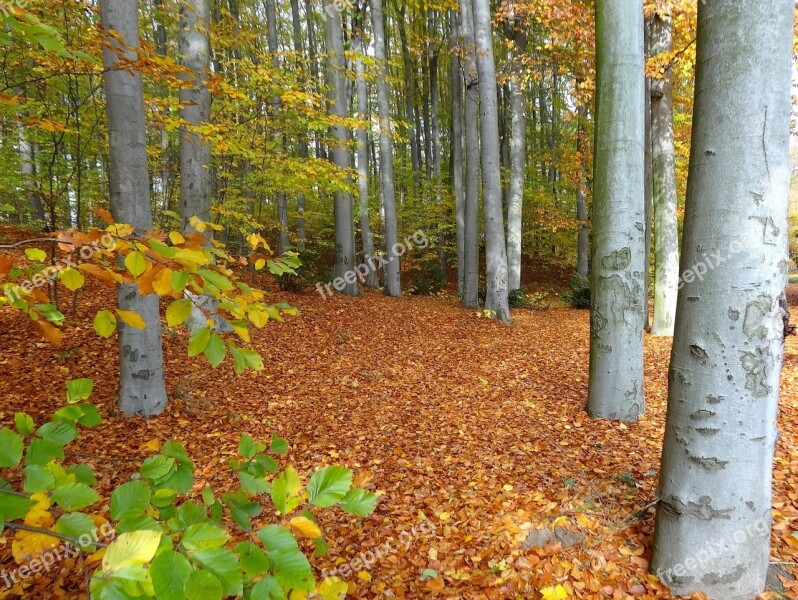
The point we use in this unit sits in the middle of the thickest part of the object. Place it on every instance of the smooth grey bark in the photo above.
(615, 389)
(283, 242)
(302, 144)
(27, 163)
(666, 226)
(141, 376)
(393, 286)
(457, 146)
(411, 113)
(362, 150)
(583, 249)
(339, 107)
(515, 201)
(649, 182)
(470, 297)
(435, 142)
(166, 154)
(720, 435)
(495, 247)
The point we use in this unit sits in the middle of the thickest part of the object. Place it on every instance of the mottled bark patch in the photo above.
(617, 260)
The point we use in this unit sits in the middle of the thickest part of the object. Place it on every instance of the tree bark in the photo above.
(302, 143)
(141, 377)
(470, 298)
(616, 318)
(495, 247)
(582, 251)
(339, 106)
(515, 201)
(720, 435)
(457, 146)
(666, 227)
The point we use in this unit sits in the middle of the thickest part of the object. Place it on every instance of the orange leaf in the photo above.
(50, 332)
(104, 215)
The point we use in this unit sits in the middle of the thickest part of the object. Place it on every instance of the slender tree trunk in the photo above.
(339, 106)
(457, 146)
(362, 147)
(28, 176)
(517, 161)
(392, 273)
(616, 318)
(166, 153)
(470, 297)
(410, 110)
(666, 228)
(141, 377)
(313, 63)
(303, 142)
(720, 434)
(435, 142)
(582, 261)
(649, 183)
(495, 247)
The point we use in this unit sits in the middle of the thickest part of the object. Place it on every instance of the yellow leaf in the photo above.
(131, 549)
(198, 224)
(445, 517)
(364, 576)
(176, 238)
(154, 445)
(196, 257)
(28, 545)
(332, 588)
(554, 593)
(306, 527)
(162, 284)
(260, 263)
(560, 521)
(131, 318)
(41, 499)
(72, 279)
(258, 317)
(242, 331)
(136, 263)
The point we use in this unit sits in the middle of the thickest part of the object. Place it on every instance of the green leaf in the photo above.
(202, 585)
(285, 488)
(328, 485)
(10, 448)
(76, 525)
(157, 467)
(134, 522)
(13, 507)
(247, 446)
(198, 341)
(105, 323)
(216, 279)
(253, 485)
(74, 496)
(38, 478)
(267, 589)
(136, 263)
(224, 565)
(170, 572)
(130, 498)
(253, 560)
(277, 537)
(60, 433)
(72, 279)
(292, 569)
(178, 312)
(24, 423)
(359, 502)
(216, 350)
(79, 389)
(204, 536)
(180, 280)
(164, 497)
(278, 445)
(40, 452)
(83, 474)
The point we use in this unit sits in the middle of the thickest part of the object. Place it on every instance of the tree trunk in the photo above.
(303, 142)
(457, 147)
(517, 162)
(343, 213)
(470, 297)
(582, 261)
(720, 435)
(648, 182)
(392, 273)
(362, 147)
(616, 318)
(141, 378)
(666, 227)
(495, 247)
(28, 176)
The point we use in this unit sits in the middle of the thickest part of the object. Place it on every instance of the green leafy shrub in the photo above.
(579, 295)
(167, 541)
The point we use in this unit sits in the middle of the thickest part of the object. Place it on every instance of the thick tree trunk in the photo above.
(720, 435)
(362, 149)
(141, 376)
(616, 318)
(517, 162)
(339, 106)
(393, 285)
(666, 227)
(495, 247)
(457, 147)
(470, 298)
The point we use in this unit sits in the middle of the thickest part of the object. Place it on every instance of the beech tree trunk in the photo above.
(302, 144)
(457, 147)
(393, 286)
(666, 227)
(339, 107)
(583, 248)
(470, 297)
(714, 515)
(617, 293)
(495, 247)
(517, 162)
(26, 159)
(141, 377)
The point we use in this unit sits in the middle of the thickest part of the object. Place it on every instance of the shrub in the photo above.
(579, 295)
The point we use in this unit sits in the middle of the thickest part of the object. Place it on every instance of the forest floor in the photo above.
(472, 433)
